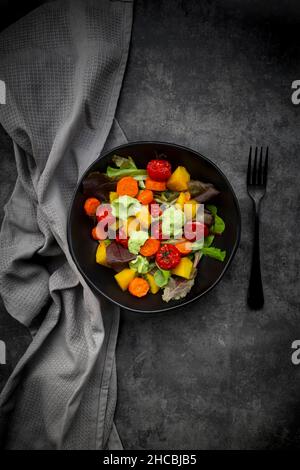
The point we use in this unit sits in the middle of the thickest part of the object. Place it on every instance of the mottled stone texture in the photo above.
(215, 76)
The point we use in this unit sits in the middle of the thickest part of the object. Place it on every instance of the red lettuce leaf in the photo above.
(117, 256)
(98, 185)
(202, 192)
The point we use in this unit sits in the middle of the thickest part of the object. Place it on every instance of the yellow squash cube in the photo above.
(184, 268)
(124, 278)
(154, 288)
(112, 196)
(191, 208)
(179, 179)
(101, 254)
(182, 199)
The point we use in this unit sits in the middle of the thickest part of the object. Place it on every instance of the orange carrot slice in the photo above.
(184, 247)
(127, 186)
(155, 185)
(138, 287)
(94, 234)
(145, 196)
(150, 247)
(90, 206)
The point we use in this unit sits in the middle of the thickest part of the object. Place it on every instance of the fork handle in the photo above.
(255, 289)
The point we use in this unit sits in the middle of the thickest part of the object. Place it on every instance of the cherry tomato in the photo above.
(159, 170)
(195, 231)
(121, 238)
(167, 257)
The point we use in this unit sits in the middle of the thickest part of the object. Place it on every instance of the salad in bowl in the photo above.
(152, 225)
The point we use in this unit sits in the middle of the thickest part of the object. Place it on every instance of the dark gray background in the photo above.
(215, 76)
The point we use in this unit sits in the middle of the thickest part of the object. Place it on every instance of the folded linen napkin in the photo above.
(63, 66)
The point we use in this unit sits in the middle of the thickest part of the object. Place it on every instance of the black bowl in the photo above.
(210, 271)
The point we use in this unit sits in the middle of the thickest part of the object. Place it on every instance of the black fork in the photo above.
(256, 187)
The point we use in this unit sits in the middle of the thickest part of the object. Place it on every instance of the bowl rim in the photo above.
(167, 309)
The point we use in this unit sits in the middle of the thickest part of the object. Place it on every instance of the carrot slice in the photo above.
(90, 206)
(155, 185)
(138, 287)
(94, 234)
(145, 196)
(127, 186)
(150, 247)
(184, 247)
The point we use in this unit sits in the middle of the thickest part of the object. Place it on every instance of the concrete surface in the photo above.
(215, 76)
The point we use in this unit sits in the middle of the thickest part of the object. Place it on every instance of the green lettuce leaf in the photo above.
(162, 277)
(140, 264)
(218, 226)
(213, 209)
(214, 252)
(208, 240)
(123, 162)
(117, 173)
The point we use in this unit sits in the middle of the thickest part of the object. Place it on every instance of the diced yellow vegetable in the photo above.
(101, 253)
(179, 179)
(112, 196)
(184, 268)
(183, 198)
(191, 209)
(124, 277)
(144, 217)
(154, 288)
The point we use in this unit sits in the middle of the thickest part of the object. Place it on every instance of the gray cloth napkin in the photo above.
(63, 66)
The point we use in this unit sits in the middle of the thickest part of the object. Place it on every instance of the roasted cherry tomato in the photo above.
(159, 170)
(195, 231)
(121, 238)
(167, 257)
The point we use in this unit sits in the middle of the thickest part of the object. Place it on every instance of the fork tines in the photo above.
(257, 175)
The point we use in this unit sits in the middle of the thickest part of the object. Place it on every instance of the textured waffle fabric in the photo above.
(63, 66)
